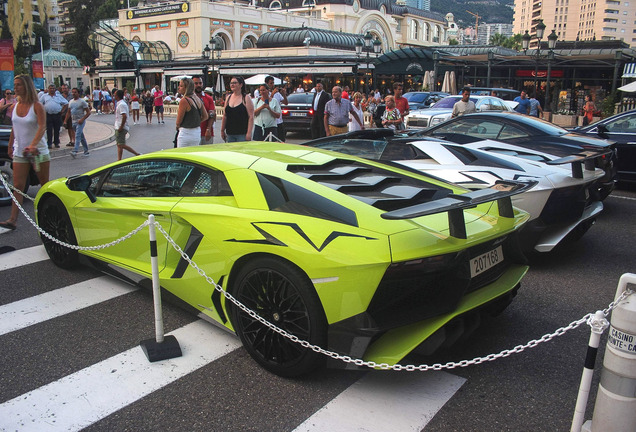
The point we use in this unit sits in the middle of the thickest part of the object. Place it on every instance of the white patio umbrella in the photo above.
(453, 82)
(260, 79)
(446, 83)
(628, 88)
(426, 80)
(220, 84)
(179, 77)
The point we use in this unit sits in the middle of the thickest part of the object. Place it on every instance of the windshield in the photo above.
(449, 102)
(300, 98)
(416, 97)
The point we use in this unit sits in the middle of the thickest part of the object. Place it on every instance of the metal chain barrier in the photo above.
(70, 246)
(589, 318)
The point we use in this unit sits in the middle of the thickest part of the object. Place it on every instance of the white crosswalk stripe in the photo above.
(43, 307)
(22, 257)
(380, 401)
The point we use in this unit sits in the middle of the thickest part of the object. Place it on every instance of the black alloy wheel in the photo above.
(283, 295)
(53, 219)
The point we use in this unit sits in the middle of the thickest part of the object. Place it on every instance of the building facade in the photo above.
(579, 19)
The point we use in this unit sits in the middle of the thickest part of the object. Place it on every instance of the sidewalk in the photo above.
(97, 134)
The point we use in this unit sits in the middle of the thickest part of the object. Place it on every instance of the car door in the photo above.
(622, 130)
(126, 195)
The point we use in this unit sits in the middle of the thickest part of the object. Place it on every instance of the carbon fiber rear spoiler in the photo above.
(586, 158)
(454, 204)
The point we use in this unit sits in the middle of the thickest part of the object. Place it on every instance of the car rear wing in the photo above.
(455, 204)
(585, 158)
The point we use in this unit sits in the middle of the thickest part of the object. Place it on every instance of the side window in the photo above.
(625, 124)
(162, 178)
(496, 105)
(483, 129)
(510, 132)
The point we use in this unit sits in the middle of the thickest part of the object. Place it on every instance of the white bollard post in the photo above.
(615, 408)
(160, 348)
(598, 325)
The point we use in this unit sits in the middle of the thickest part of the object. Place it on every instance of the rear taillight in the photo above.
(311, 112)
(285, 112)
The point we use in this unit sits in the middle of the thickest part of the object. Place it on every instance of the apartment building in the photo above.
(578, 19)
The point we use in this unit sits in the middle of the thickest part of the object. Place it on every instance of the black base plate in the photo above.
(165, 350)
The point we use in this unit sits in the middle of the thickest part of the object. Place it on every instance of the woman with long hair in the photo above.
(149, 103)
(588, 110)
(238, 116)
(27, 145)
(357, 107)
(190, 115)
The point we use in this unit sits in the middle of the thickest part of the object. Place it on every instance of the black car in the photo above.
(298, 112)
(6, 167)
(529, 132)
(620, 128)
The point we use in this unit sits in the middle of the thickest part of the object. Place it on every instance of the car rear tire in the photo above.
(284, 296)
(53, 219)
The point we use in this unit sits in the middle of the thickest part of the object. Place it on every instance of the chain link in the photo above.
(9, 187)
(334, 355)
(385, 366)
(67, 245)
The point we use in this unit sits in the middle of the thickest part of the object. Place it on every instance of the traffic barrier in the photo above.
(345, 358)
(615, 408)
(160, 348)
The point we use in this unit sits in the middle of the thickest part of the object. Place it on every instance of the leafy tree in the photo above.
(453, 42)
(498, 40)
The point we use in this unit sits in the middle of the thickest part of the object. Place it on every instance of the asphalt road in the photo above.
(532, 391)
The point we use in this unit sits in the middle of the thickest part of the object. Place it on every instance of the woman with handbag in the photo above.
(190, 115)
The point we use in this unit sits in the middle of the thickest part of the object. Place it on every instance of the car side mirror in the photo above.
(81, 184)
(602, 131)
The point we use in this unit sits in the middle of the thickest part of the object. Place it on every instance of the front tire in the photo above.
(284, 296)
(53, 219)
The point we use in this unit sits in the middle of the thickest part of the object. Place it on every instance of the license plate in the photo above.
(298, 114)
(483, 262)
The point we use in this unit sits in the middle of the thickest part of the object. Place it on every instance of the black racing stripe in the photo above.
(216, 301)
(191, 247)
(590, 358)
(153, 248)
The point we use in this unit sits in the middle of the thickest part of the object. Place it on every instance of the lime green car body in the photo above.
(345, 261)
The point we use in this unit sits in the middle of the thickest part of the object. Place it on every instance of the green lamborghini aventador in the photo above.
(350, 255)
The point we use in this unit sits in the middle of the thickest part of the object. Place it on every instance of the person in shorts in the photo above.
(121, 125)
(158, 95)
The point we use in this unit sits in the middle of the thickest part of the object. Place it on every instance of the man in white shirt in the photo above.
(465, 105)
(281, 96)
(55, 106)
(121, 125)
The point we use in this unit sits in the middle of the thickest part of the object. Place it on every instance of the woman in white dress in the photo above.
(357, 106)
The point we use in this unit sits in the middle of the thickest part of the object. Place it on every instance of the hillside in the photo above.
(490, 11)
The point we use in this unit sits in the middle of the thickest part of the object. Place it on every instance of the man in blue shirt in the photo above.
(524, 103)
(55, 105)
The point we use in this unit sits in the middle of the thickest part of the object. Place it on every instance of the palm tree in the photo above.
(498, 40)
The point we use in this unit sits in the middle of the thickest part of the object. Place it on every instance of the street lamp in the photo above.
(491, 57)
(28, 61)
(206, 56)
(359, 45)
(525, 44)
(215, 51)
(377, 49)
(435, 61)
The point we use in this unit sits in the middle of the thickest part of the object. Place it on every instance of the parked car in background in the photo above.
(417, 100)
(620, 128)
(537, 136)
(420, 100)
(298, 112)
(560, 205)
(501, 93)
(347, 254)
(443, 109)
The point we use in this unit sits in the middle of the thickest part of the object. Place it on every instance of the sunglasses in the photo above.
(233, 82)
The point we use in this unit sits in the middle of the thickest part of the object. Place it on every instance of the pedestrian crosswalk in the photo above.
(378, 401)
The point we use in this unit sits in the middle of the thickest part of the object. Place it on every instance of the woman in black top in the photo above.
(238, 117)
(148, 102)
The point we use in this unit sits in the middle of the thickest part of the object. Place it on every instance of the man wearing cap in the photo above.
(207, 126)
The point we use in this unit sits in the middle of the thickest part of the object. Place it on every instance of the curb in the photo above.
(64, 151)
